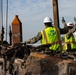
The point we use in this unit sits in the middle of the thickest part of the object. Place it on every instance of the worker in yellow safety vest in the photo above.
(49, 35)
(69, 42)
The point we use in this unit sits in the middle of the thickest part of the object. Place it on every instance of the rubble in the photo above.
(43, 64)
(22, 59)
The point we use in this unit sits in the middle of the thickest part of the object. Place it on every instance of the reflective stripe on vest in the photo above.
(71, 41)
(47, 37)
(60, 42)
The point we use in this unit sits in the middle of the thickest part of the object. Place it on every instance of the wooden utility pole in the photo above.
(55, 13)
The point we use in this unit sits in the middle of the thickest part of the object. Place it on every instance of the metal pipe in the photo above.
(6, 18)
(10, 35)
(2, 11)
(2, 35)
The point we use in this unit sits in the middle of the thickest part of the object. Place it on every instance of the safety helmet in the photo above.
(70, 24)
(47, 20)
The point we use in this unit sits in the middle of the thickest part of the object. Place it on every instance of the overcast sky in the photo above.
(32, 13)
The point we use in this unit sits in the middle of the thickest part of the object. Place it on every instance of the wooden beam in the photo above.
(55, 13)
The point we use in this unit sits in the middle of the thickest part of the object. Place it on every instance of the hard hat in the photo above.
(70, 24)
(47, 20)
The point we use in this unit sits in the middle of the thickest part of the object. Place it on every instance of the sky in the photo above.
(32, 13)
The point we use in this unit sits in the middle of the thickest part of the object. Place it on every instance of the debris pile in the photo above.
(22, 59)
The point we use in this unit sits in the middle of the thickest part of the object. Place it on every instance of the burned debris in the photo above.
(20, 57)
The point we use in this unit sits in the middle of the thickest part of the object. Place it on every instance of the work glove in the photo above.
(63, 21)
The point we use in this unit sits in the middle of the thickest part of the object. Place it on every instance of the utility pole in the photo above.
(56, 18)
(10, 35)
(1, 21)
(6, 17)
(55, 12)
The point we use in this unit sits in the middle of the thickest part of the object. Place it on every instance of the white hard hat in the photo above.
(47, 20)
(70, 24)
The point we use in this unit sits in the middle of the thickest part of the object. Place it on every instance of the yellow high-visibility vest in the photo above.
(50, 35)
(70, 41)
